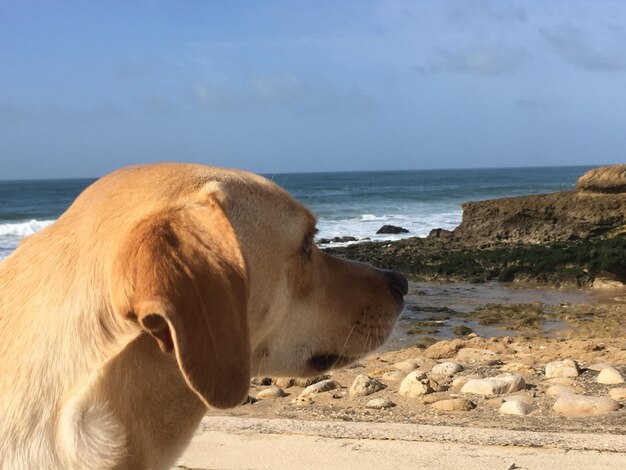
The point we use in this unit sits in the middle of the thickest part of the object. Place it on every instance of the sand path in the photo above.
(252, 443)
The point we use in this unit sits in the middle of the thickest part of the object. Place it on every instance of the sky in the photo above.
(291, 86)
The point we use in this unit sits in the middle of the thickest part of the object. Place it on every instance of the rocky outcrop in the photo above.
(571, 237)
(542, 218)
(598, 207)
(605, 179)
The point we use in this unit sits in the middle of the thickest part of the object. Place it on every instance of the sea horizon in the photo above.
(268, 174)
(347, 203)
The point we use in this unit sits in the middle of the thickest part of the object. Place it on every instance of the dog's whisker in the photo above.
(366, 342)
(262, 362)
(345, 344)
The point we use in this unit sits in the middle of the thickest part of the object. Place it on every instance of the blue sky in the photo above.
(281, 86)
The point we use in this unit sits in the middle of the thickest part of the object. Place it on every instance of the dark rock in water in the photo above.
(344, 239)
(326, 241)
(462, 330)
(605, 179)
(387, 229)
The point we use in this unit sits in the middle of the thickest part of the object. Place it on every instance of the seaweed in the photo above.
(574, 262)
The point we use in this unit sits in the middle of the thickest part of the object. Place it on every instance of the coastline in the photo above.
(562, 238)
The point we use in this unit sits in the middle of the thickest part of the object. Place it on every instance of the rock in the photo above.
(302, 401)
(415, 385)
(391, 229)
(444, 349)
(306, 381)
(506, 383)
(433, 397)
(558, 390)
(284, 382)
(326, 241)
(618, 393)
(604, 179)
(249, 400)
(517, 408)
(272, 392)
(559, 381)
(261, 381)
(439, 233)
(447, 368)
(462, 330)
(599, 366)
(475, 355)
(578, 405)
(495, 402)
(394, 375)
(565, 368)
(610, 376)
(319, 387)
(379, 404)
(460, 381)
(287, 382)
(365, 385)
(607, 281)
(454, 404)
(523, 396)
(541, 218)
(408, 365)
(436, 386)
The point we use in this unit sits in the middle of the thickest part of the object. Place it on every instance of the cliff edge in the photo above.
(597, 207)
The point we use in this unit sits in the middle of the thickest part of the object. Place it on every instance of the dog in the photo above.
(158, 293)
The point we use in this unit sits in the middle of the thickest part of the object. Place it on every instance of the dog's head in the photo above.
(221, 268)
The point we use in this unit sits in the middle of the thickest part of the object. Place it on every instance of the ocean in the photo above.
(347, 203)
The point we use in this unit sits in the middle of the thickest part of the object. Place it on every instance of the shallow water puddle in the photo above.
(436, 311)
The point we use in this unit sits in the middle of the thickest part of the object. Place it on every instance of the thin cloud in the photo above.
(287, 91)
(602, 51)
(216, 97)
(482, 61)
(277, 90)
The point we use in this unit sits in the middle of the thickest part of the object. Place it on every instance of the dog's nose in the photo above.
(397, 283)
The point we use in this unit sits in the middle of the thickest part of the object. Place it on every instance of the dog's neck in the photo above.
(54, 348)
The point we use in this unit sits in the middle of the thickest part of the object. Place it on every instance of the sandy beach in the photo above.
(232, 443)
(445, 424)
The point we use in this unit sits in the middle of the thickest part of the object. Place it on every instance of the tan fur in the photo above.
(162, 290)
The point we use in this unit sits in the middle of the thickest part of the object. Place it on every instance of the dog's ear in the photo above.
(190, 293)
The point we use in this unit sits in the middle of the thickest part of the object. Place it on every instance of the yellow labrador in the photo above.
(159, 292)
